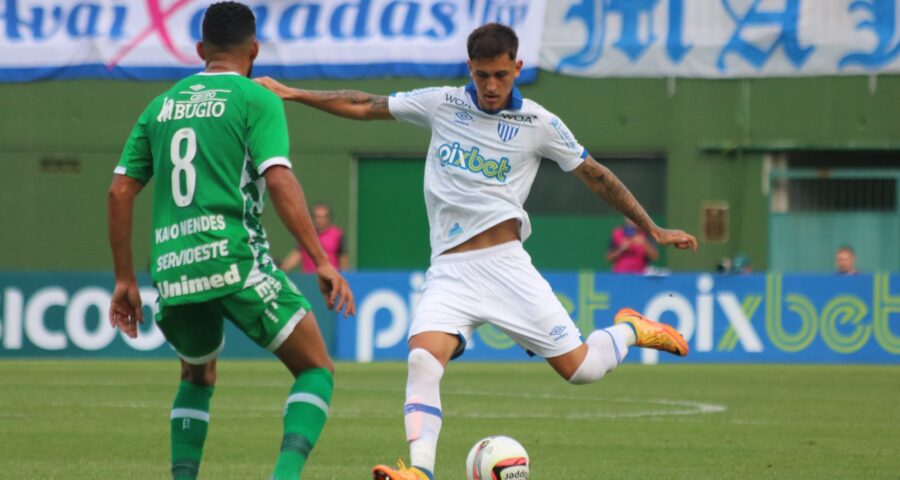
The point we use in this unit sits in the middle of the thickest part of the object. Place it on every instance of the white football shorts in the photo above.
(496, 285)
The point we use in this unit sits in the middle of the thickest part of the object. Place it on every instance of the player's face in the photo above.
(494, 80)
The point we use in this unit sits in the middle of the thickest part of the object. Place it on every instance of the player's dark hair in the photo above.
(228, 24)
(492, 40)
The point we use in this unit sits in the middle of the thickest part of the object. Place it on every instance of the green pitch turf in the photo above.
(109, 420)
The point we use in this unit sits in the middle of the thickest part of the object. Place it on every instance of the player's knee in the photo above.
(422, 362)
(590, 370)
(202, 375)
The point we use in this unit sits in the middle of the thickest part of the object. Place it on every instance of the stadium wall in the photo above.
(60, 140)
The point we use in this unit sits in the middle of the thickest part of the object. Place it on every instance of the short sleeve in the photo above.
(416, 106)
(137, 158)
(561, 146)
(267, 132)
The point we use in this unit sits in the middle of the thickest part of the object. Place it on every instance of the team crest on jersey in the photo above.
(507, 131)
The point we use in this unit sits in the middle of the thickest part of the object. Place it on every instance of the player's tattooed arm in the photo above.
(345, 103)
(607, 186)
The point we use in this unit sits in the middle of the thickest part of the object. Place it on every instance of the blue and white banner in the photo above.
(730, 319)
(155, 39)
(721, 38)
(66, 315)
(726, 318)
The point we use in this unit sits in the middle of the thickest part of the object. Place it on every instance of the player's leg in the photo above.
(429, 353)
(445, 317)
(306, 408)
(605, 349)
(196, 333)
(276, 316)
(602, 351)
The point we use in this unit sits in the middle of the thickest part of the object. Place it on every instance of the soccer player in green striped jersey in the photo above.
(216, 142)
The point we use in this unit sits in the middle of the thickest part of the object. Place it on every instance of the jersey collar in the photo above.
(515, 99)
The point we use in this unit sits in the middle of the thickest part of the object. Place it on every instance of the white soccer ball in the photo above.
(497, 458)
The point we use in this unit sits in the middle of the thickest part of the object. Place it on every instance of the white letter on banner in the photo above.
(34, 318)
(149, 338)
(669, 302)
(12, 319)
(739, 321)
(76, 321)
(365, 326)
(704, 340)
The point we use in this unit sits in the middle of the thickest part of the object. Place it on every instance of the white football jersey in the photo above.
(480, 166)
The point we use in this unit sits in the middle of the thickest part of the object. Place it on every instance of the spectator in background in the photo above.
(845, 261)
(630, 250)
(330, 236)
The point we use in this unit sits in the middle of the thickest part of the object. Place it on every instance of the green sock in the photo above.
(304, 417)
(189, 422)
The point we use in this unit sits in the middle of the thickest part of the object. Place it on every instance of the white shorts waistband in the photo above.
(480, 254)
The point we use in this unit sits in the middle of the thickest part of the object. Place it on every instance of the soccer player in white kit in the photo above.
(486, 146)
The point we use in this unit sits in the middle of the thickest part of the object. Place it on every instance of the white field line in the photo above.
(682, 407)
(651, 407)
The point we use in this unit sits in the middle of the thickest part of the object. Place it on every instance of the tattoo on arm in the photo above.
(379, 106)
(350, 103)
(607, 186)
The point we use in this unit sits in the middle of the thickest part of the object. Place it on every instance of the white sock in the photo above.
(624, 335)
(606, 350)
(422, 411)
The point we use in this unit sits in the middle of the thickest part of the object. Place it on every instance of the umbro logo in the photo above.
(463, 118)
(558, 333)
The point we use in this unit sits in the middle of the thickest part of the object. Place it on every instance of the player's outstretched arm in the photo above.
(290, 203)
(607, 186)
(343, 103)
(125, 310)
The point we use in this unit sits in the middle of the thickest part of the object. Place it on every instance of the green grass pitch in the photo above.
(68, 419)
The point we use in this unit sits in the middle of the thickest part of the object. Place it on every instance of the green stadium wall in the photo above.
(59, 142)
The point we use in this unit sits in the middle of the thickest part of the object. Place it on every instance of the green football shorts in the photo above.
(266, 312)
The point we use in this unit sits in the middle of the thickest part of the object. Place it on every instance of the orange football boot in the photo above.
(655, 335)
(402, 472)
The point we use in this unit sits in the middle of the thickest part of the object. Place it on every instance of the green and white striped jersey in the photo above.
(208, 140)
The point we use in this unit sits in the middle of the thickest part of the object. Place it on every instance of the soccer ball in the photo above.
(497, 458)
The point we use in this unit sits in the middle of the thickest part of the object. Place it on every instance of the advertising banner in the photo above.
(721, 38)
(752, 318)
(51, 315)
(726, 318)
(155, 39)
